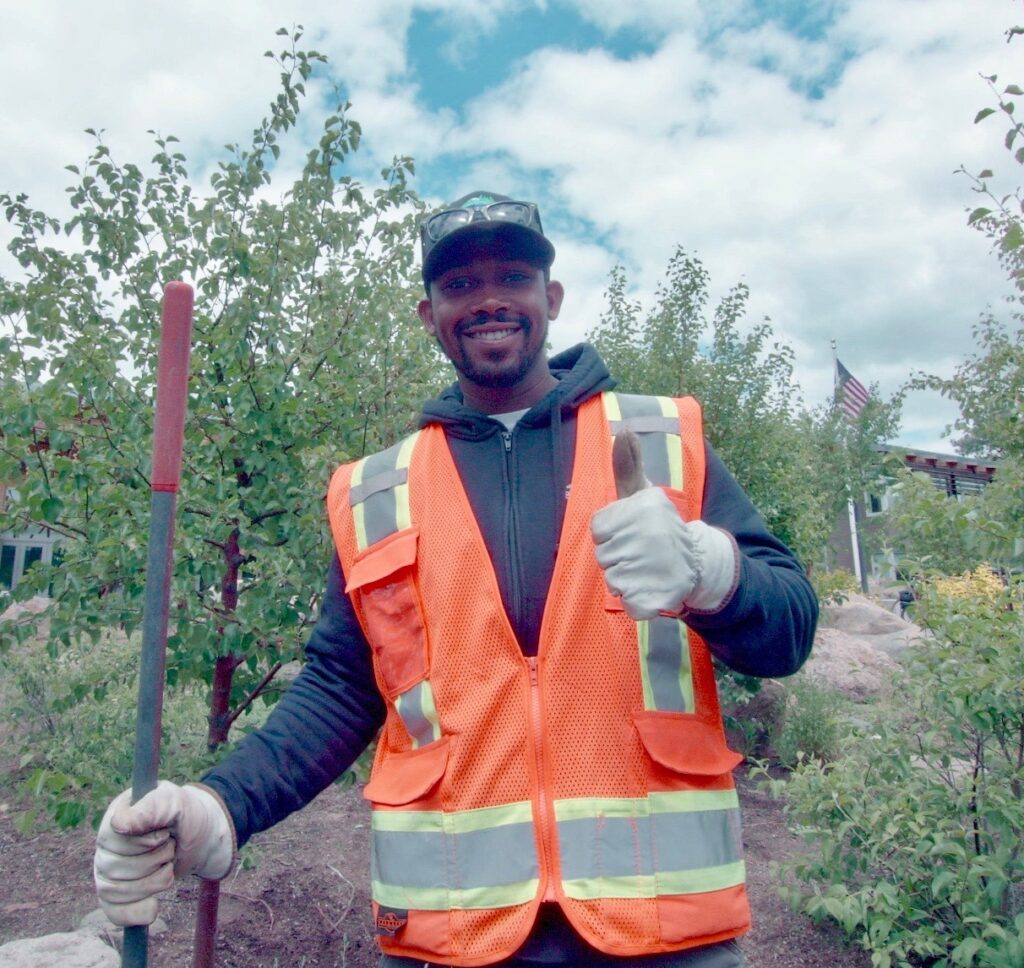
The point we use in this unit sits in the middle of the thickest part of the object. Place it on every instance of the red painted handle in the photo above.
(172, 386)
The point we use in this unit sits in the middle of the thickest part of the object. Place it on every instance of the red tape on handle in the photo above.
(172, 386)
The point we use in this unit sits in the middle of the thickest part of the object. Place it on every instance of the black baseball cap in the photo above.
(498, 222)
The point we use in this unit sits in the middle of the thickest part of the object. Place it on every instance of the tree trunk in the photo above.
(224, 669)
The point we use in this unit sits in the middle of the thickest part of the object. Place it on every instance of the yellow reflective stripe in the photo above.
(673, 445)
(672, 882)
(643, 635)
(462, 821)
(418, 711)
(611, 406)
(677, 801)
(691, 801)
(706, 879)
(594, 888)
(403, 513)
(461, 899)
(358, 513)
(666, 672)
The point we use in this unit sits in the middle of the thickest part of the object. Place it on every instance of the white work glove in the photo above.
(172, 831)
(652, 558)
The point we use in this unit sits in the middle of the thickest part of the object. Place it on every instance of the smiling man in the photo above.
(525, 599)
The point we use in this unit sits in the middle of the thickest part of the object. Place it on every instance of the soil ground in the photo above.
(302, 900)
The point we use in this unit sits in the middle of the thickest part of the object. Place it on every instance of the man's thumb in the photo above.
(627, 464)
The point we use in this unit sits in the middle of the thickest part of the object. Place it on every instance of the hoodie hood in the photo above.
(580, 371)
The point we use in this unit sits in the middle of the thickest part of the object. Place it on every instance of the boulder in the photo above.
(850, 664)
(71, 950)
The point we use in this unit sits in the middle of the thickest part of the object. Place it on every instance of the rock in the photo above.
(861, 616)
(71, 950)
(851, 664)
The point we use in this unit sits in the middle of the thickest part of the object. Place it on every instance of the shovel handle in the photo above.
(168, 439)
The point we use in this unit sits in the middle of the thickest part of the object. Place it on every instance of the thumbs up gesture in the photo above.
(656, 562)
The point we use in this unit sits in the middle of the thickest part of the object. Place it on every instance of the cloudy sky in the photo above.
(808, 149)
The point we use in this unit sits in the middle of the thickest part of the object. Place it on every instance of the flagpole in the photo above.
(851, 508)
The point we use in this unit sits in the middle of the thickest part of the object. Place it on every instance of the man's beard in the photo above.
(487, 376)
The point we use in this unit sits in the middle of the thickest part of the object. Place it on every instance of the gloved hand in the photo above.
(172, 831)
(653, 559)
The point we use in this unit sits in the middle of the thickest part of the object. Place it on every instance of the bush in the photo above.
(834, 587)
(811, 724)
(73, 721)
(917, 826)
(983, 582)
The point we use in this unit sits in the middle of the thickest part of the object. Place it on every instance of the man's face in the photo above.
(491, 318)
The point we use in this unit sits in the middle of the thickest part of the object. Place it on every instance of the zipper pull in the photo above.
(506, 435)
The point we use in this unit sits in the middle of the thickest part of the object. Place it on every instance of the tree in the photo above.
(793, 463)
(988, 388)
(306, 353)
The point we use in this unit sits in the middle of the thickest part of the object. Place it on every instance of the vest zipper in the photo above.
(542, 792)
(515, 604)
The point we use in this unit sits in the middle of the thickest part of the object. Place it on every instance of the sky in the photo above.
(806, 149)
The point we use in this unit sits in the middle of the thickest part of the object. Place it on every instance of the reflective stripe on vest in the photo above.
(608, 845)
(418, 712)
(379, 498)
(663, 642)
(655, 421)
(434, 861)
(379, 495)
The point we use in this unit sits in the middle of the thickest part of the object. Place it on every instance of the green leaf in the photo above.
(983, 113)
(978, 213)
(1013, 89)
(51, 508)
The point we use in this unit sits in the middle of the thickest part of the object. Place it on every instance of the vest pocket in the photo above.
(383, 586)
(685, 744)
(404, 777)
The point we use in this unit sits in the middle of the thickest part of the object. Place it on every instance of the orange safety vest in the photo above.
(596, 775)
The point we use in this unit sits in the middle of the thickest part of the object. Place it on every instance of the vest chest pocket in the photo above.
(684, 744)
(383, 587)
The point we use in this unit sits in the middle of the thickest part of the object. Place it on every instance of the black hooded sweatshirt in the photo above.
(517, 482)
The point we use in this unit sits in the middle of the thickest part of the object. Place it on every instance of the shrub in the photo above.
(917, 826)
(811, 724)
(983, 582)
(834, 587)
(73, 721)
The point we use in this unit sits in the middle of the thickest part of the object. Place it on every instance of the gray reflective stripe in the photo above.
(418, 712)
(439, 860)
(379, 482)
(379, 508)
(667, 670)
(657, 432)
(638, 838)
(379, 493)
(647, 425)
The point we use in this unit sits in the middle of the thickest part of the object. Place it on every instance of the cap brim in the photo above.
(494, 239)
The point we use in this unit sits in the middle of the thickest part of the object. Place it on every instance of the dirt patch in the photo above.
(303, 900)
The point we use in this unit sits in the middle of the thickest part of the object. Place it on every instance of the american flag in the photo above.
(852, 394)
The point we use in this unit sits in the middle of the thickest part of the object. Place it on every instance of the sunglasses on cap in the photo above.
(444, 223)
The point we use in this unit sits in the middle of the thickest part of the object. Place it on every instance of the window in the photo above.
(7, 565)
(33, 553)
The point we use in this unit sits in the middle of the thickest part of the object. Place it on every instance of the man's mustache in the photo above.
(482, 319)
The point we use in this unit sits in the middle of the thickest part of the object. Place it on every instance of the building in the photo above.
(20, 550)
(957, 477)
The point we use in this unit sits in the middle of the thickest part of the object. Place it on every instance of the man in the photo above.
(530, 612)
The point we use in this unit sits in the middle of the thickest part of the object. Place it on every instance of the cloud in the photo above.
(842, 212)
(812, 158)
